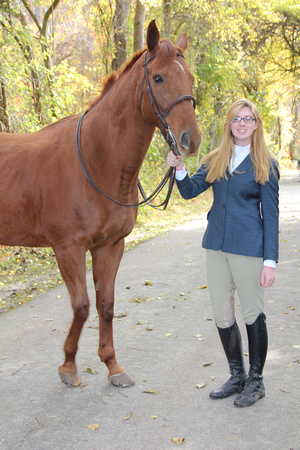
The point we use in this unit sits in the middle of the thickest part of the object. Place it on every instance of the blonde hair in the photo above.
(217, 161)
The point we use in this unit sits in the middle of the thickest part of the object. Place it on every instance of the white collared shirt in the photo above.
(240, 155)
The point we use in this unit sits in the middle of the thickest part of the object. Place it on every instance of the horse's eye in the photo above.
(157, 79)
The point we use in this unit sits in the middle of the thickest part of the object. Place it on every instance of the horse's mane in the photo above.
(165, 55)
(115, 76)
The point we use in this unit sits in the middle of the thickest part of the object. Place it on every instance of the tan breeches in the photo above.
(227, 273)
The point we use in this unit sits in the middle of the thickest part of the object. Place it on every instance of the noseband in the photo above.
(167, 134)
(161, 115)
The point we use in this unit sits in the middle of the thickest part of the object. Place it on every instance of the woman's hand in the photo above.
(267, 276)
(175, 161)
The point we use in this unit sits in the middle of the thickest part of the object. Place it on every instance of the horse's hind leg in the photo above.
(73, 269)
(106, 262)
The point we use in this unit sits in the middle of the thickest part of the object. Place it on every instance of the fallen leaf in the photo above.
(148, 283)
(178, 440)
(128, 416)
(150, 391)
(141, 299)
(90, 370)
(199, 337)
(93, 426)
(296, 346)
(203, 287)
(200, 385)
(142, 322)
(154, 417)
(206, 364)
(286, 392)
(120, 316)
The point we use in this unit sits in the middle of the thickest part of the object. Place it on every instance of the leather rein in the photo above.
(167, 134)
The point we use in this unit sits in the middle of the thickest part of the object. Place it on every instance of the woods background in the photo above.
(54, 57)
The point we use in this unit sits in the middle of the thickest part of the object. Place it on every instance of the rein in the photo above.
(167, 134)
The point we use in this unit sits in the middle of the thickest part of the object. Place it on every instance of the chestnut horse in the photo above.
(46, 199)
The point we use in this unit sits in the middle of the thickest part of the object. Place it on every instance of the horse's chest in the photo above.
(115, 225)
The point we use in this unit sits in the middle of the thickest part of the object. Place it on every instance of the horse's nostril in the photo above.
(184, 140)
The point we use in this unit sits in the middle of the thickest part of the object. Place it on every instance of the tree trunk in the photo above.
(167, 19)
(119, 22)
(139, 21)
(4, 118)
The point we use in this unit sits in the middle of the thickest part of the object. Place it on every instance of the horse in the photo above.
(49, 191)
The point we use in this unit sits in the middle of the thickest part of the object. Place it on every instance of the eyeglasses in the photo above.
(247, 119)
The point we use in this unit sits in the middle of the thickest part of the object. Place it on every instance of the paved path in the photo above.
(166, 339)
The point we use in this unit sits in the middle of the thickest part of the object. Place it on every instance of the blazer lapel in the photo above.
(246, 164)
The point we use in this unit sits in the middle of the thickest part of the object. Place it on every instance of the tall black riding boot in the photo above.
(258, 345)
(232, 344)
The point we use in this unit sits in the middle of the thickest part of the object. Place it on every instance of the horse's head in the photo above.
(166, 99)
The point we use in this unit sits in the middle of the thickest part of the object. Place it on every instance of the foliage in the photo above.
(246, 48)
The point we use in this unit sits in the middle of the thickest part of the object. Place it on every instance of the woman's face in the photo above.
(242, 131)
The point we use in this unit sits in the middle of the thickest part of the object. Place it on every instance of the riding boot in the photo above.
(258, 344)
(232, 344)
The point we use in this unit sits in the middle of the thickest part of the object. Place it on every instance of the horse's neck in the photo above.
(120, 135)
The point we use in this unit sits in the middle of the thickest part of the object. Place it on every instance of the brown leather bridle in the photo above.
(167, 134)
(161, 115)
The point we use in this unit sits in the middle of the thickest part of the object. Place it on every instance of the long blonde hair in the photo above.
(218, 161)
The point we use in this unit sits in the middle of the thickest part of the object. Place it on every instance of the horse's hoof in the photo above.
(121, 380)
(70, 379)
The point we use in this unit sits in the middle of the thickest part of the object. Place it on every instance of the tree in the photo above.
(15, 22)
(139, 21)
(4, 117)
(167, 18)
(119, 22)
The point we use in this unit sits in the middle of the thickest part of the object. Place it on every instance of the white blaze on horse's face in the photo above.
(181, 67)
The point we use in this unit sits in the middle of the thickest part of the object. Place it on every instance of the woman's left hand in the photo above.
(267, 276)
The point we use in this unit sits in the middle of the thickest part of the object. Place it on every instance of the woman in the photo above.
(241, 241)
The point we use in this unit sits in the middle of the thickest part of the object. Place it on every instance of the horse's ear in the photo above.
(152, 36)
(182, 42)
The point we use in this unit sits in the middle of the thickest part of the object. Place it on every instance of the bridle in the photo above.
(161, 115)
(167, 134)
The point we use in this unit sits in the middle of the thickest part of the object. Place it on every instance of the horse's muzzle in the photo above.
(188, 145)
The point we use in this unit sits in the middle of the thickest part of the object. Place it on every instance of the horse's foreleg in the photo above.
(73, 270)
(105, 266)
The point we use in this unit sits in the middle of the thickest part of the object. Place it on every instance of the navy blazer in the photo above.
(244, 215)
